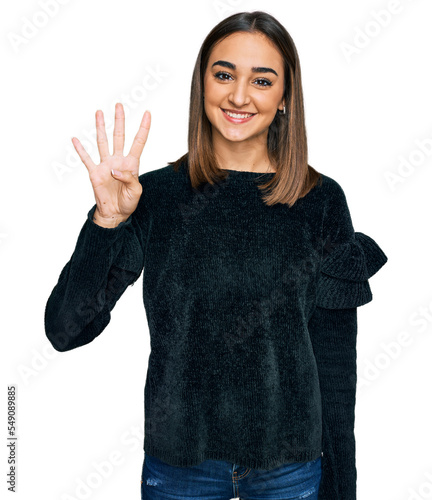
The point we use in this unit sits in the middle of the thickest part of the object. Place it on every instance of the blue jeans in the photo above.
(221, 480)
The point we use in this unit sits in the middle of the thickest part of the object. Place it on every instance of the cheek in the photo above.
(267, 103)
(213, 93)
(210, 106)
(207, 110)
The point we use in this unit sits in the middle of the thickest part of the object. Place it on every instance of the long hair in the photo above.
(286, 138)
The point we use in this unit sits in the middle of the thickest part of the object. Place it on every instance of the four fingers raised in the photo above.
(119, 137)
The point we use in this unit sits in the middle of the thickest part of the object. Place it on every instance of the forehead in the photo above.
(247, 49)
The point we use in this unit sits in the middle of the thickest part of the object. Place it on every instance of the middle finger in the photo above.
(119, 129)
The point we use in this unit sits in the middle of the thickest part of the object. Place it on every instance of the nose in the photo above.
(239, 95)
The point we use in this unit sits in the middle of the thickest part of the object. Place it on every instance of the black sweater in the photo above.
(252, 313)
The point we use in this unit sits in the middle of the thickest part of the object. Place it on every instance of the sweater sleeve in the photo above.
(104, 263)
(350, 258)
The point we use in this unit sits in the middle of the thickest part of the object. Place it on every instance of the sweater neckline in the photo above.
(247, 173)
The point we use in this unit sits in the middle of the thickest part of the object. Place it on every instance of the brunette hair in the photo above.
(286, 141)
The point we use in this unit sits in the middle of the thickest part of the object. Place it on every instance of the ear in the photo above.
(281, 105)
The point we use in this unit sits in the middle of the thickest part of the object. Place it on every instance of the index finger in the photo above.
(141, 136)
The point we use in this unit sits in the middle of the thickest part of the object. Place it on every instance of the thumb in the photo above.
(126, 177)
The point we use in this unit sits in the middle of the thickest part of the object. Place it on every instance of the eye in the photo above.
(221, 73)
(264, 82)
(268, 83)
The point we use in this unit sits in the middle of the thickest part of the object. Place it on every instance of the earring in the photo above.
(282, 112)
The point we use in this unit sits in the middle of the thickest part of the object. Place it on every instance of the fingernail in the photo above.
(116, 172)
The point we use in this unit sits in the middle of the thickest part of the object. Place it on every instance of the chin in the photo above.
(254, 134)
(237, 138)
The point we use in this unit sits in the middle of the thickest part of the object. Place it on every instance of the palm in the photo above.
(113, 196)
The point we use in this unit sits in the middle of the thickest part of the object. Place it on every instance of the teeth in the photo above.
(236, 115)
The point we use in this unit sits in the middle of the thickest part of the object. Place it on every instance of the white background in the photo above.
(364, 114)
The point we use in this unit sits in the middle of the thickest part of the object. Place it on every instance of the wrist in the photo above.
(108, 222)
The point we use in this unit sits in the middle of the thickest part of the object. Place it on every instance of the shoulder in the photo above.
(332, 198)
(327, 200)
(330, 188)
(162, 179)
(161, 175)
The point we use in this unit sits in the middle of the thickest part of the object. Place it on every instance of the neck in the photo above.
(248, 155)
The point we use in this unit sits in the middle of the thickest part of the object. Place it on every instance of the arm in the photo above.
(109, 253)
(104, 263)
(334, 334)
(349, 259)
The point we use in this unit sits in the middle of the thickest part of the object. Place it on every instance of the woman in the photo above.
(252, 278)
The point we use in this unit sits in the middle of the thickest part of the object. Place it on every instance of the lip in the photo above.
(236, 120)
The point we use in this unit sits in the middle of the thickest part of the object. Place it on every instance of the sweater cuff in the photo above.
(99, 236)
(107, 230)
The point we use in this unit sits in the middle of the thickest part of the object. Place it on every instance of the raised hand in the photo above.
(115, 181)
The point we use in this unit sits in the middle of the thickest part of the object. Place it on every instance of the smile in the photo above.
(237, 117)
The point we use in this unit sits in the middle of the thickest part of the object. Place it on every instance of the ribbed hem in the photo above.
(267, 464)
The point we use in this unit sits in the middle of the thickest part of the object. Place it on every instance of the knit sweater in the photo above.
(252, 314)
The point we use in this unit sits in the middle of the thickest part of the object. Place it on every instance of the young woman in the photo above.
(252, 278)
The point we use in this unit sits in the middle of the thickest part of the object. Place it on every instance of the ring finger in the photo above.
(101, 137)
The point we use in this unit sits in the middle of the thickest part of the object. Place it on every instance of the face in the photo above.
(244, 75)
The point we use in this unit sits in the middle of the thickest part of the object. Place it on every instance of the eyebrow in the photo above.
(254, 69)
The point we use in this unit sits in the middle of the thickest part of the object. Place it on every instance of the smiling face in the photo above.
(244, 75)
